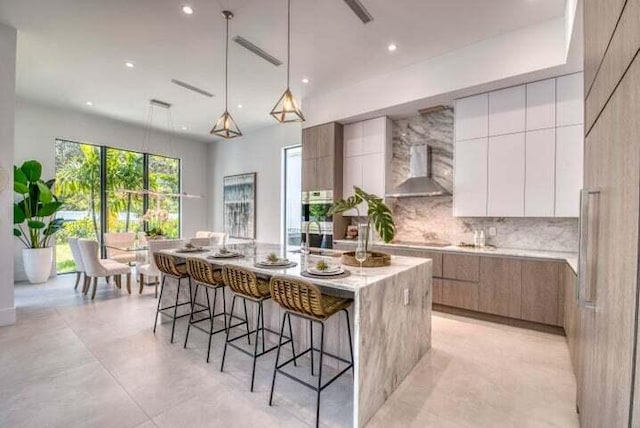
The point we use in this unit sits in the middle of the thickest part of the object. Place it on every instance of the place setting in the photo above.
(273, 261)
(190, 248)
(224, 253)
(324, 270)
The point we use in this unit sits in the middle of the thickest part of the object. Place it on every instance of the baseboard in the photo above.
(500, 320)
(7, 316)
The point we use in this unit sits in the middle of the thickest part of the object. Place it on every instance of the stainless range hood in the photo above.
(420, 182)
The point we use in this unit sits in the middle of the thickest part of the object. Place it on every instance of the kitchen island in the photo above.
(391, 317)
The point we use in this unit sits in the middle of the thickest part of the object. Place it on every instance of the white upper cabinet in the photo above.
(541, 105)
(365, 147)
(569, 163)
(374, 135)
(352, 134)
(470, 178)
(539, 191)
(570, 100)
(507, 111)
(506, 176)
(472, 117)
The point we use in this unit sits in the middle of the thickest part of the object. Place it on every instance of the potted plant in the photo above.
(155, 219)
(378, 215)
(34, 219)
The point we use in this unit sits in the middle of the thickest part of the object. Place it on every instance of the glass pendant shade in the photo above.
(226, 127)
(286, 109)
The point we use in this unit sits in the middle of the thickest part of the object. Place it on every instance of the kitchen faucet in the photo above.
(307, 238)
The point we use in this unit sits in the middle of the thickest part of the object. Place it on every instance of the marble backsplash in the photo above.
(431, 218)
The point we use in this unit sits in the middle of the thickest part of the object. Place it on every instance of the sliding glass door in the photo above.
(95, 184)
(292, 178)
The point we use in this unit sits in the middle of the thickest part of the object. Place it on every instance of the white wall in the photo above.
(7, 110)
(37, 127)
(517, 53)
(261, 152)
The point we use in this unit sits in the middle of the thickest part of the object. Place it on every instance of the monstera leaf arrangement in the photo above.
(378, 213)
(34, 212)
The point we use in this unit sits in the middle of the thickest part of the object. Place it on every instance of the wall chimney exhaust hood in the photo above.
(420, 182)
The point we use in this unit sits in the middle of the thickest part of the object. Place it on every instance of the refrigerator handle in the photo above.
(587, 263)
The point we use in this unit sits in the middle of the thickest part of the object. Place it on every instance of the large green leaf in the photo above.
(18, 214)
(16, 232)
(45, 195)
(382, 220)
(32, 170)
(36, 224)
(19, 176)
(49, 209)
(54, 226)
(343, 205)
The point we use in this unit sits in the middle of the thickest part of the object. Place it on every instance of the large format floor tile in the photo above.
(71, 362)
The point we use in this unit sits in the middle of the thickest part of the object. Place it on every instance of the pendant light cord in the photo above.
(226, 68)
(288, 40)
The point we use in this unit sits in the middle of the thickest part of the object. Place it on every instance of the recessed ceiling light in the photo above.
(129, 64)
(305, 80)
(392, 47)
(89, 103)
(239, 105)
(187, 10)
(184, 128)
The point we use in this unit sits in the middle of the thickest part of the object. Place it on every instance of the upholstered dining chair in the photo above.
(216, 237)
(77, 258)
(96, 268)
(150, 269)
(114, 241)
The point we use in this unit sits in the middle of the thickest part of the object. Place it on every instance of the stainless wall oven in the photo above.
(315, 220)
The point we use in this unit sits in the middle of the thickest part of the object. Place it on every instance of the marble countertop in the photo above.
(351, 283)
(569, 257)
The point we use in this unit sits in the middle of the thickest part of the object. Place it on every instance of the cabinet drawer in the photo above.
(500, 286)
(540, 291)
(460, 294)
(461, 267)
(437, 291)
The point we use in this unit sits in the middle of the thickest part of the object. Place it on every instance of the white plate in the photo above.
(225, 255)
(336, 270)
(279, 262)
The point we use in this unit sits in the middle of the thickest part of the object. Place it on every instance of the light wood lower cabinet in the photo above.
(540, 291)
(500, 286)
(570, 322)
(461, 267)
(437, 291)
(460, 294)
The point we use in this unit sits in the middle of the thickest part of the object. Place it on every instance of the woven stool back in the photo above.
(167, 265)
(241, 281)
(202, 272)
(298, 296)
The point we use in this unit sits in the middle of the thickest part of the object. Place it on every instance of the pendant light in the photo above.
(286, 109)
(226, 127)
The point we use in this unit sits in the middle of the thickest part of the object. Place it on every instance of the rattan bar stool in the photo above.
(246, 286)
(169, 268)
(304, 300)
(203, 274)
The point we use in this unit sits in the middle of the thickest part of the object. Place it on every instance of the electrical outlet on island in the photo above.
(493, 231)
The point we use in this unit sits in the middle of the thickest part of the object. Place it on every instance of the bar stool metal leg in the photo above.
(346, 312)
(226, 341)
(275, 371)
(193, 304)
(155, 324)
(293, 349)
(311, 347)
(320, 374)
(175, 309)
(255, 348)
(246, 317)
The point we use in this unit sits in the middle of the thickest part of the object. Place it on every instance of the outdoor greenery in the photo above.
(37, 206)
(78, 182)
(378, 213)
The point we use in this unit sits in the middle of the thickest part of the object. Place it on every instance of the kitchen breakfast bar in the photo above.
(390, 315)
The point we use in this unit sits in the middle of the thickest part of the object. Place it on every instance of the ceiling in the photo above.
(73, 51)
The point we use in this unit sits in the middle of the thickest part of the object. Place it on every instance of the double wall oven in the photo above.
(315, 220)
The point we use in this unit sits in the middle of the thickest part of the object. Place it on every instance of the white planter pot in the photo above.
(37, 263)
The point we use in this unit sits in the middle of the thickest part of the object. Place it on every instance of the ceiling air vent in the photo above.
(257, 50)
(159, 103)
(191, 88)
(359, 10)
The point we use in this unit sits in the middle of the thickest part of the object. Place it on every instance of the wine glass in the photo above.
(361, 256)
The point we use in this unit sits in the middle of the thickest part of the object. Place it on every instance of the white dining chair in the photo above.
(96, 268)
(77, 258)
(114, 241)
(215, 237)
(150, 270)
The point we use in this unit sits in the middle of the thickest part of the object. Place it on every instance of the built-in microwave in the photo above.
(315, 206)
